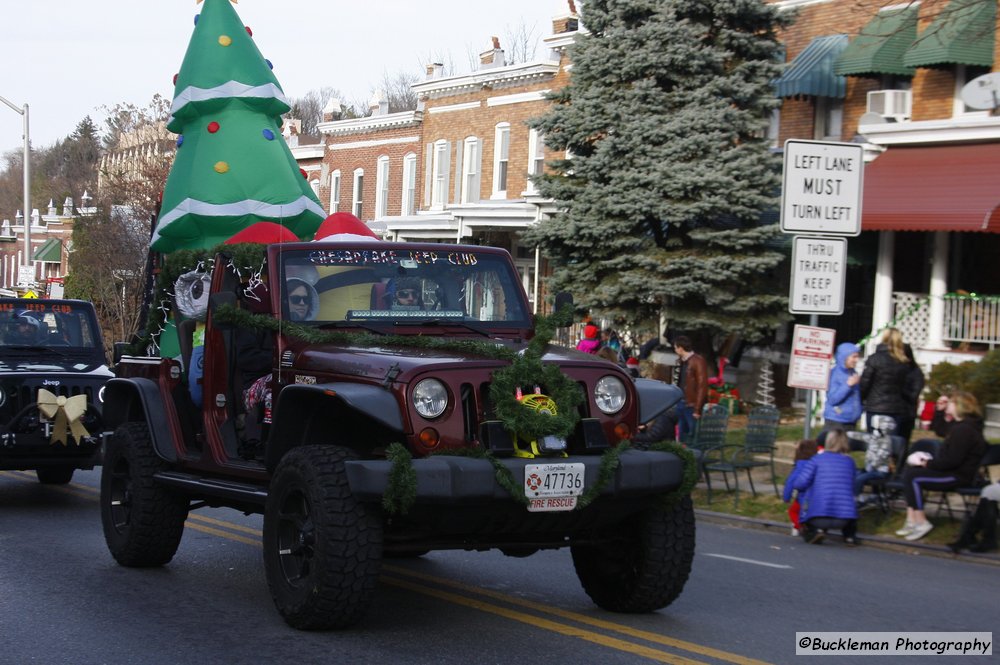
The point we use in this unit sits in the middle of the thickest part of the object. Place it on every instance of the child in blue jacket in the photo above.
(843, 395)
(827, 480)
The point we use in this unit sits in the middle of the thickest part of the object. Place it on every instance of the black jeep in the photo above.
(52, 375)
(404, 404)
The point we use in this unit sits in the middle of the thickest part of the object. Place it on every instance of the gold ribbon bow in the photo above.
(66, 411)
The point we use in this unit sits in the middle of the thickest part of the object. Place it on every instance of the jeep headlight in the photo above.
(609, 393)
(100, 395)
(430, 398)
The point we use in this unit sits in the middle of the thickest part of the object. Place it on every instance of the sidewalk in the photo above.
(783, 465)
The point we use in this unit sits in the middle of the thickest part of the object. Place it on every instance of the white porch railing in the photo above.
(968, 319)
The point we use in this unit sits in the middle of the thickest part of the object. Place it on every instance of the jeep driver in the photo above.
(405, 408)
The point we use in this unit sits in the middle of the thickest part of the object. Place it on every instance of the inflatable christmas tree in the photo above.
(232, 168)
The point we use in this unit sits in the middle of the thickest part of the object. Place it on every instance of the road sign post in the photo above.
(821, 195)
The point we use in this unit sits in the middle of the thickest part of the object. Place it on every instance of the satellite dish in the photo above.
(871, 118)
(982, 92)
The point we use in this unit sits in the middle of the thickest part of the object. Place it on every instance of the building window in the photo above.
(335, 191)
(829, 120)
(409, 205)
(501, 154)
(359, 188)
(439, 185)
(470, 170)
(315, 186)
(382, 188)
(536, 157)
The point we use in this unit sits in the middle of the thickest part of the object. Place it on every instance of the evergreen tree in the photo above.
(232, 167)
(668, 175)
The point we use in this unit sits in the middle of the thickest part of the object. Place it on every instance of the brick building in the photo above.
(897, 78)
(456, 169)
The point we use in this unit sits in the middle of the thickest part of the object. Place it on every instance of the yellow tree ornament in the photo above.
(66, 412)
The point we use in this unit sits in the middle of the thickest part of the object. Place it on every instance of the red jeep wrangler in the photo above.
(375, 425)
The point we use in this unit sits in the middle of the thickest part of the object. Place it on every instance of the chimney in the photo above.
(492, 58)
(435, 70)
(333, 110)
(52, 209)
(568, 23)
(68, 207)
(378, 104)
(291, 132)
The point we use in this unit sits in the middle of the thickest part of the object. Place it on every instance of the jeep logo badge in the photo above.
(50, 382)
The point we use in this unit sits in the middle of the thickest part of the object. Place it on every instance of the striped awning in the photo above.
(933, 188)
(962, 34)
(49, 252)
(879, 47)
(811, 72)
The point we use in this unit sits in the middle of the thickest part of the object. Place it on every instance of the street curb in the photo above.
(881, 542)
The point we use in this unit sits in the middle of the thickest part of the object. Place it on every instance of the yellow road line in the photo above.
(222, 534)
(564, 629)
(582, 618)
(538, 622)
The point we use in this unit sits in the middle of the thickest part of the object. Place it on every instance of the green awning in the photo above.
(879, 47)
(811, 72)
(962, 34)
(50, 251)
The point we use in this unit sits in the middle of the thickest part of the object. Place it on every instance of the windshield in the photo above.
(399, 286)
(47, 324)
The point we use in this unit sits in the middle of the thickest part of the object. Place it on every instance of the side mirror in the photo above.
(117, 351)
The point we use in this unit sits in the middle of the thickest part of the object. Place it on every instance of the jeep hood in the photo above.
(49, 365)
(375, 361)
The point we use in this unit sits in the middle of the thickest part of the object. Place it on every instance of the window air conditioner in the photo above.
(894, 104)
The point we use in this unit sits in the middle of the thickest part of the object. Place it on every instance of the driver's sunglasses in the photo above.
(298, 300)
(407, 293)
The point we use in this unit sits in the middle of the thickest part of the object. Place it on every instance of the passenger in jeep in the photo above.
(405, 293)
(302, 301)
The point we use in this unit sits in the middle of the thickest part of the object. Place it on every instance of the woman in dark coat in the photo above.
(954, 465)
(883, 382)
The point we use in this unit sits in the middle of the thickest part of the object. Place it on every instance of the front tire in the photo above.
(322, 548)
(644, 563)
(55, 475)
(143, 521)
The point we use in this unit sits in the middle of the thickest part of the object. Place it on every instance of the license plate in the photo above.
(551, 487)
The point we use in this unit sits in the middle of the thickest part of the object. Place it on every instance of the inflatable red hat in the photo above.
(344, 226)
(590, 331)
(263, 233)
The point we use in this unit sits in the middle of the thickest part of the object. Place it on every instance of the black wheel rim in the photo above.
(296, 538)
(120, 495)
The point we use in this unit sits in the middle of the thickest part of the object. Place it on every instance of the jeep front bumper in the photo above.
(445, 478)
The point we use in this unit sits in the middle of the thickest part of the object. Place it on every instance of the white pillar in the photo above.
(882, 309)
(939, 286)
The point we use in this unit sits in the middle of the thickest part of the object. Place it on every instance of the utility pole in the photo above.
(27, 180)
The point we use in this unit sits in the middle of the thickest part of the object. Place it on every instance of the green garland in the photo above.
(234, 316)
(610, 461)
(401, 491)
(690, 477)
(527, 371)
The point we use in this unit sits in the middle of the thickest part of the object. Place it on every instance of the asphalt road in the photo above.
(63, 599)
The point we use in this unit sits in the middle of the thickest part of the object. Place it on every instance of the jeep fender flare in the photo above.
(655, 397)
(139, 400)
(298, 404)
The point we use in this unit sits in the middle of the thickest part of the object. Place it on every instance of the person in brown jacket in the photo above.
(694, 382)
